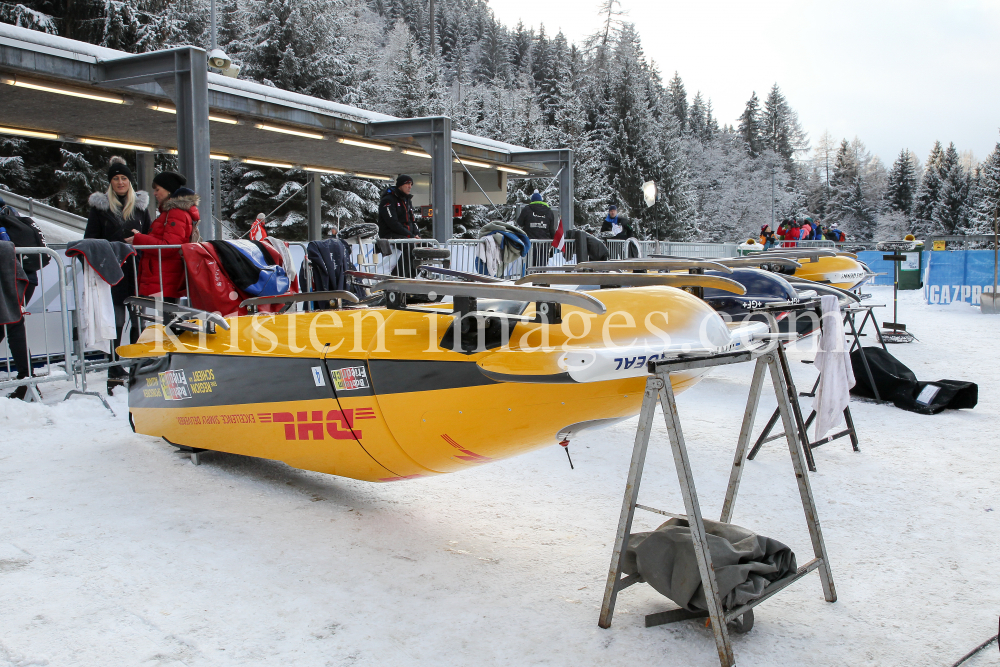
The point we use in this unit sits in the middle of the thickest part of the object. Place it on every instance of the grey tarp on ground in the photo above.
(744, 563)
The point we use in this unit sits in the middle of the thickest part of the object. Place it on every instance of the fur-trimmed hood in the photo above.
(185, 202)
(99, 200)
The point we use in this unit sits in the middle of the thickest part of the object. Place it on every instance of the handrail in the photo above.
(32, 207)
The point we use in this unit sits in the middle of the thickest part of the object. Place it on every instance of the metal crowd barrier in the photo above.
(388, 256)
(10, 380)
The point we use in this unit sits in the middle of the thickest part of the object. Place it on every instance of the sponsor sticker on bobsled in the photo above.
(174, 385)
(352, 377)
(318, 376)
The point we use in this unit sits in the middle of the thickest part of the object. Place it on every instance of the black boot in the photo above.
(115, 382)
(19, 393)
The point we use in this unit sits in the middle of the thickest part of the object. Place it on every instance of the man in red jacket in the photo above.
(161, 272)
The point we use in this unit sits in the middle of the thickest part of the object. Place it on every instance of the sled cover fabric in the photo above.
(745, 563)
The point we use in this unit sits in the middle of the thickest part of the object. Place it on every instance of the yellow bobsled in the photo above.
(830, 267)
(418, 387)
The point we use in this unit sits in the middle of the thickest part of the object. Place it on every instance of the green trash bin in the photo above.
(912, 270)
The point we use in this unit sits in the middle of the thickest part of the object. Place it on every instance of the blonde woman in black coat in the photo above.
(113, 216)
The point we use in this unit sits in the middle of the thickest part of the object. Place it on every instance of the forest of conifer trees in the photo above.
(604, 98)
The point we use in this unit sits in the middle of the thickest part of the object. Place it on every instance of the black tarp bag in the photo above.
(897, 383)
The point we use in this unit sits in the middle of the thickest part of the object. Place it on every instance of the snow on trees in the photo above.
(603, 98)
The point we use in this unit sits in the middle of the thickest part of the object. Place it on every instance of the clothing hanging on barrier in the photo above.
(96, 311)
(488, 255)
(286, 256)
(833, 361)
(13, 283)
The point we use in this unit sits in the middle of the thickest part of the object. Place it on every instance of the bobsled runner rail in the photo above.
(635, 280)
(492, 291)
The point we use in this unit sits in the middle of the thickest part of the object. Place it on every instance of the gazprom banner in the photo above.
(958, 275)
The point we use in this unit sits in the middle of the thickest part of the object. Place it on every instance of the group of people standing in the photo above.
(792, 230)
(122, 214)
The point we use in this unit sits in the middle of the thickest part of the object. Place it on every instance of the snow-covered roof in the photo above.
(76, 50)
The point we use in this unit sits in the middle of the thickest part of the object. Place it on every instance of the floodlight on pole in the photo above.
(649, 193)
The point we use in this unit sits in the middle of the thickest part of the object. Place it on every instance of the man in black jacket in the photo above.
(396, 220)
(537, 219)
(616, 227)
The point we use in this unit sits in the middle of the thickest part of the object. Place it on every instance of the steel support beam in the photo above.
(434, 136)
(190, 95)
(217, 198)
(144, 174)
(314, 207)
(183, 75)
(560, 162)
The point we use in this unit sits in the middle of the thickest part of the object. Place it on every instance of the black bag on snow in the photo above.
(24, 234)
(897, 383)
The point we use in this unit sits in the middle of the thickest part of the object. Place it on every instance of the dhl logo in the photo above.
(314, 425)
(466, 455)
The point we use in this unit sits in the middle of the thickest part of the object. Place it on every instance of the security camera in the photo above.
(217, 59)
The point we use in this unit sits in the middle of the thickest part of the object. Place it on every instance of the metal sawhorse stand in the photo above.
(658, 388)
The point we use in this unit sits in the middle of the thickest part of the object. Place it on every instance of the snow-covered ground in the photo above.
(114, 550)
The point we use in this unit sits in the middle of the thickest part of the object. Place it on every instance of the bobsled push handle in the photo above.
(491, 291)
(635, 280)
(672, 264)
(298, 298)
(180, 313)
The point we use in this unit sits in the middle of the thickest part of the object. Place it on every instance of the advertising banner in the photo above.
(958, 276)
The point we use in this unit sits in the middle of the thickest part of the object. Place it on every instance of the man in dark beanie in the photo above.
(537, 219)
(396, 220)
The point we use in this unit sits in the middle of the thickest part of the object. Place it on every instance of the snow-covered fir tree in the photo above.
(750, 130)
(902, 184)
(522, 84)
(987, 205)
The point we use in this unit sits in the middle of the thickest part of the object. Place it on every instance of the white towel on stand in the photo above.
(833, 361)
(97, 311)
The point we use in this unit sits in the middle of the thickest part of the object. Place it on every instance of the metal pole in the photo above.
(566, 192)
(191, 100)
(314, 207)
(217, 196)
(215, 36)
(144, 172)
(433, 46)
(772, 198)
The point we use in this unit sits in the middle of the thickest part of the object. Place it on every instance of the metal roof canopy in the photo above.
(177, 80)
